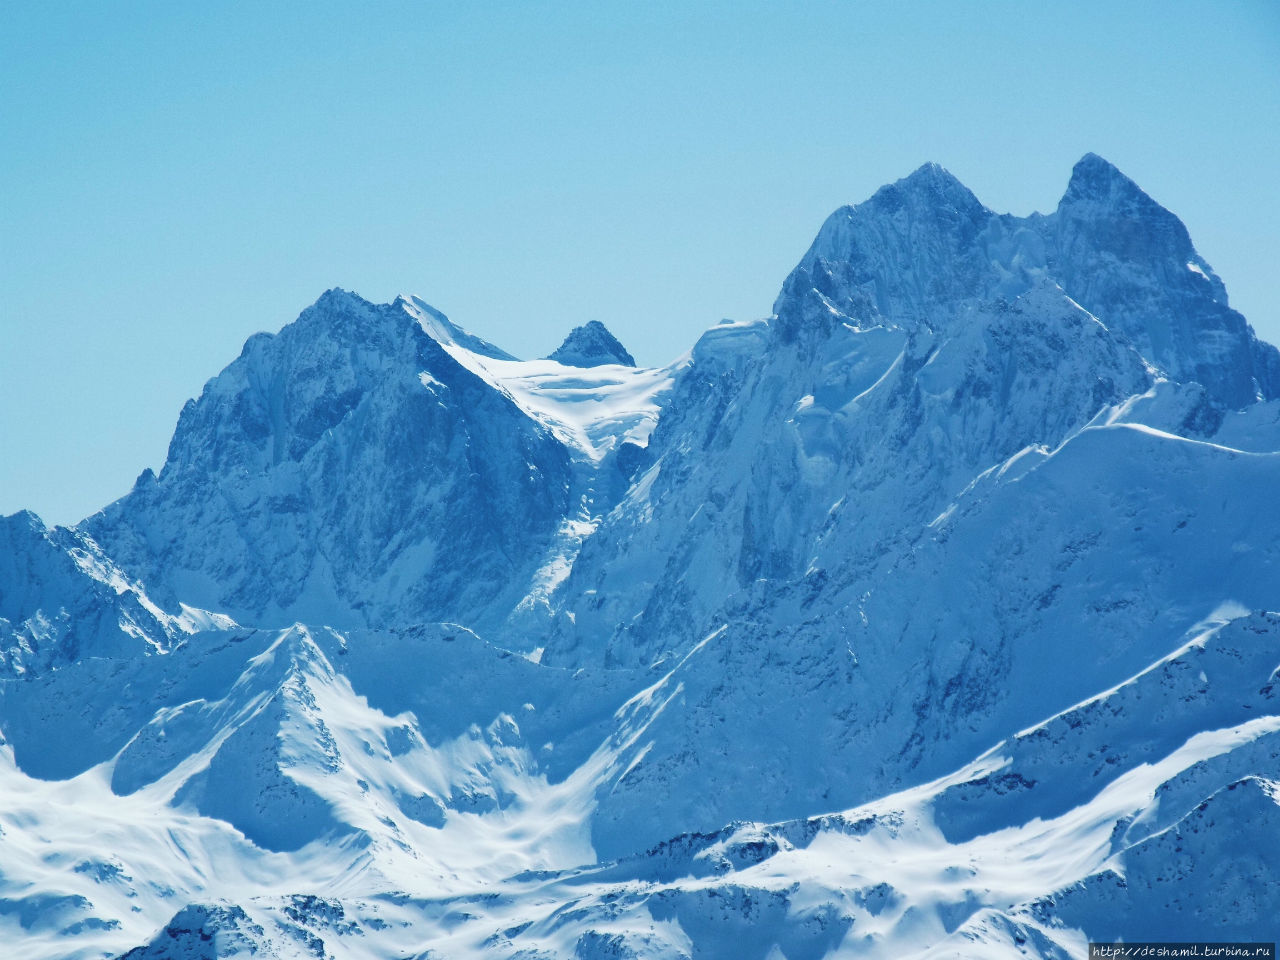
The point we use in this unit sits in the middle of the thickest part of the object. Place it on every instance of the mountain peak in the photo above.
(932, 186)
(591, 345)
(912, 245)
(933, 199)
(339, 295)
(1095, 180)
(1118, 216)
(933, 176)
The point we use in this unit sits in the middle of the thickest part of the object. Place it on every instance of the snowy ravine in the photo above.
(926, 617)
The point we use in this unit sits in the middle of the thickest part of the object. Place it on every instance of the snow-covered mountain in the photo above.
(924, 618)
(591, 345)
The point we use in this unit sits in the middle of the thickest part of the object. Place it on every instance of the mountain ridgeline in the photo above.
(926, 616)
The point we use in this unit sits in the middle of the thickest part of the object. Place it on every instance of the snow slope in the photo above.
(923, 618)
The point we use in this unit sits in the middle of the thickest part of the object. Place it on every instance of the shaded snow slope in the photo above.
(777, 461)
(62, 599)
(1033, 594)
(1080, 840)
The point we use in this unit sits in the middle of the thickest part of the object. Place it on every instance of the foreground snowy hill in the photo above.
(924, 618)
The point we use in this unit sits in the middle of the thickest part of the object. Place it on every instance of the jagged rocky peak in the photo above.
(1129, 261)
(929, 187)
(1096, 180)
(1123, 220)
(591, 345)
(912, 252)
(928, 202)
(347, 451)
(923, 253)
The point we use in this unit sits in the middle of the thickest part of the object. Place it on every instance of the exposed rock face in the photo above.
(591, 345)
(348, 468)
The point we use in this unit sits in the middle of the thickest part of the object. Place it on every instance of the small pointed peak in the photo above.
(930, 190)
(335, 310)
(336, 295)
(931, 196)
(1092, 162)
(1102, 196)
(930, 173)
(1094, 179)
(935, 182)
(337, 305)
(591, 345)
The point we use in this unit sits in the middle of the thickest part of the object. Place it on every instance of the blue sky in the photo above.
(178, 176)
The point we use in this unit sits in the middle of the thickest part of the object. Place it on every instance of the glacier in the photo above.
(932, 615)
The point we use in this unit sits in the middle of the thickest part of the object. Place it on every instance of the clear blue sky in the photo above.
(178, 176)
